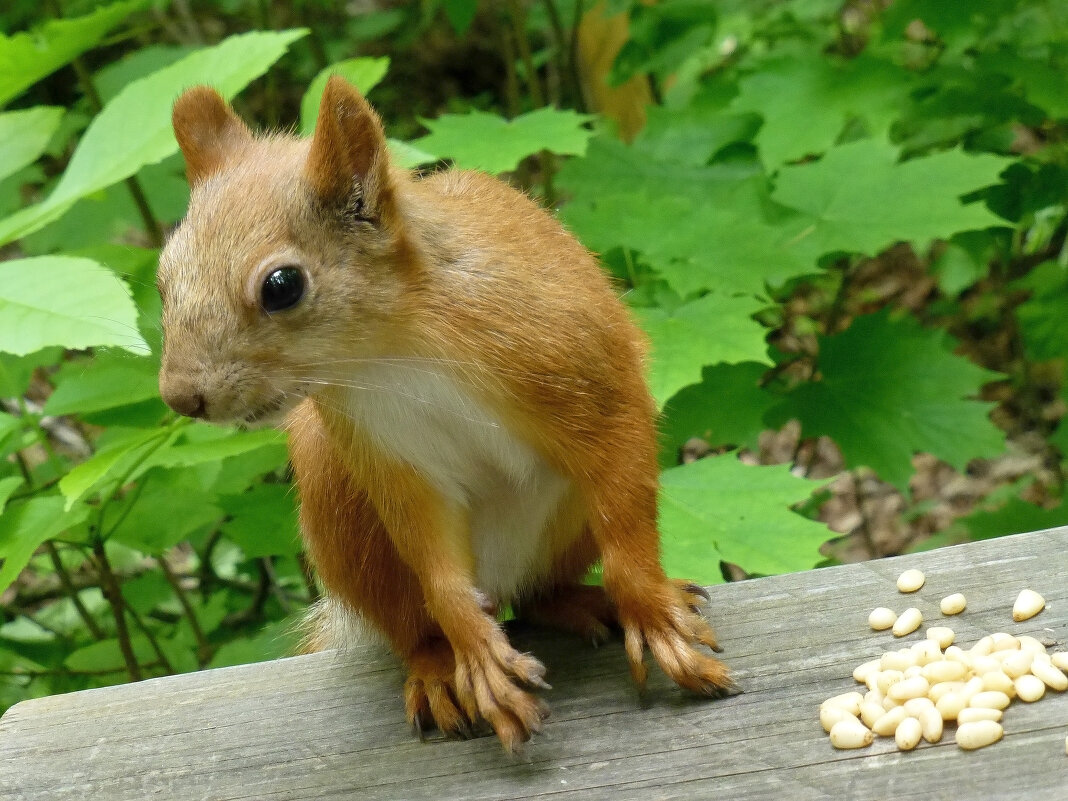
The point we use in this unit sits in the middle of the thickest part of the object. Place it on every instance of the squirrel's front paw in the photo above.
(430, 692)
(488, 679)
(458, 692)
(665, 619)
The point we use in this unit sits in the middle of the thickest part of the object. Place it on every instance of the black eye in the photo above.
(282, 289)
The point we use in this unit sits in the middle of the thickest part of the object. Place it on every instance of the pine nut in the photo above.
(999, 682)
(978, 734)
(1029, 643)
(1003, 641)
(971, 714)
(1030, 688)
(888, 723)
(863, 671)
(1028, 604)
(1017, 663)
(931, 724)
(938, 672)
(941, 689)
(870, 713)
(830, 715)
(953, 604)
(950, 705)
(908, 734)
(909, 688)
(910, 620)
(1059, 659)
(1052, 676)
(897, 660)
(914, 706)
(882, 618)
(887, 679)
(850, 702)
(990, 699)
(910, 580)
(942, 635)
(850, 733)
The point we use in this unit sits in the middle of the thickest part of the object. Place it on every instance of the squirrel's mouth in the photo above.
(266, 414)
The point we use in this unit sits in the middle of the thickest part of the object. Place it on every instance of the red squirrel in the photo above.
(468, 420)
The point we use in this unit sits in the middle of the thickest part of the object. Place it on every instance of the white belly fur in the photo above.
(420, 413)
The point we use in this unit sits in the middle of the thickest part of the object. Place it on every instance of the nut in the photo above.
(910, 580)
(1028, 604)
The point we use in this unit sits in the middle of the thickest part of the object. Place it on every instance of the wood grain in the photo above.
(331, 726)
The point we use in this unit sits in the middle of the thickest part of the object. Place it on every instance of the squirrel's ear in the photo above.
(348, 162)
(207, 130)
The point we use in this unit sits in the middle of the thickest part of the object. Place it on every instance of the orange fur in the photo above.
(454, 346)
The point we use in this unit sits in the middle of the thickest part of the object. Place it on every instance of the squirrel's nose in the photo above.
(183, 398)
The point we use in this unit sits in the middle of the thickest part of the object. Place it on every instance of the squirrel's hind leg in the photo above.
(565, 603)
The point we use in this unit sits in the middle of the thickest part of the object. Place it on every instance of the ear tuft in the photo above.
(207, 131)
(348, 151)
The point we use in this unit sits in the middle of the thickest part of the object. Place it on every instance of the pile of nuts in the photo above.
(913, 692)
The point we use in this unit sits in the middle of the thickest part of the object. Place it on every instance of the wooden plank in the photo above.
(330, 726)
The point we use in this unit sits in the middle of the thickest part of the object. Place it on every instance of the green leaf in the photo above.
(713, 329)
(364, 73)
(24, 526)
(481, 141)
(406, 156)
(460, 13)
(692, 135)
(263, 521)
(700, 227)
(7, 487)
(1042, 318)
(807, 100)
(859, 198)
(110, 80)
(24, 136)
(890, 389)
(228, 442)
(134, 129)
(726, 408)
(25, 58)
(107, 655)
(9, 424)
(123, 450)
(720, 509)
(273, 641)
(34, 315)
(148, 522)
(103, 384)
(1014, 517)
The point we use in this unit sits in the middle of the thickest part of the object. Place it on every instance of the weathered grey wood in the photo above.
(331, 726)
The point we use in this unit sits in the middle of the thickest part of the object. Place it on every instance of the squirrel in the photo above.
(468, 419)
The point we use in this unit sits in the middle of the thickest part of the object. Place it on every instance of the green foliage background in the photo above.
(790, 143)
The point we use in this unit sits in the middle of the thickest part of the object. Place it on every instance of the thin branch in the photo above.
(517, 14)
(114, 595)
(276, 590)
(70, 591)
(204, 648)
(151, 637)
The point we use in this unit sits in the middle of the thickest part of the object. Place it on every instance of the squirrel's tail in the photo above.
(331, 624)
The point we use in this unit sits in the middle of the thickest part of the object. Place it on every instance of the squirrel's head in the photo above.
(290, 262)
